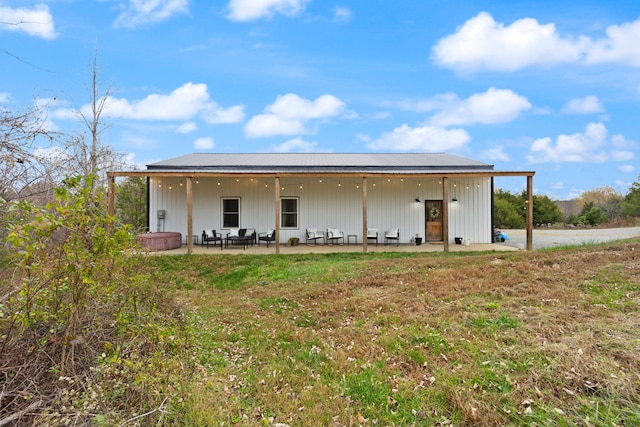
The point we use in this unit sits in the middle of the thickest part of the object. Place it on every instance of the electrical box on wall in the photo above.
(161, 213)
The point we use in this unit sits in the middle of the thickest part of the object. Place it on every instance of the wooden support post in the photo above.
(365, 224)
(277, 209)
(189, 215)
(445, 213)
(111, 195)
(529, 213)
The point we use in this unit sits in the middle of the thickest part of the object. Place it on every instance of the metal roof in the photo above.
(321, 162)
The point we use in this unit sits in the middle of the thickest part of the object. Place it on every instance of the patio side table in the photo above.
(355, 238)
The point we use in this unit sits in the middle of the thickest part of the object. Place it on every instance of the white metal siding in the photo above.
(328, 203)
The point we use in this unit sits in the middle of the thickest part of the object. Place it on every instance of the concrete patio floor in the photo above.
(324, 249)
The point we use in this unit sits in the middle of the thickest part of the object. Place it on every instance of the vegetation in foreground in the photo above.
(95, 333)
(546, 338)
(85, 338)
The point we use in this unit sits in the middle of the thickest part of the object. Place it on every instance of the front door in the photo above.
(433, 215)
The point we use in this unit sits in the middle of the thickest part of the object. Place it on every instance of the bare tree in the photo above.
(22, 169)
(86, 154)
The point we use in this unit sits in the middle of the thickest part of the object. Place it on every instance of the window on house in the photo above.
(289, 212)
(231, 213)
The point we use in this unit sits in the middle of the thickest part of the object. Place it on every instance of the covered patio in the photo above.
(351, 192)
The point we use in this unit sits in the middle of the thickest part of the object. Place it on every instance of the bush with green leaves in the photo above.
(591, 215)
(84, 334)
(631, 202)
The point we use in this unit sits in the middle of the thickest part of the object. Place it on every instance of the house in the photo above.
(434, 196)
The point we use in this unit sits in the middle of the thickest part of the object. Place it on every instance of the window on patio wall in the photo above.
(289, 212)
(231, 212)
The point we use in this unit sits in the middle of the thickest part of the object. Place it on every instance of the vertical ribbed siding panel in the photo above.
(470, 218)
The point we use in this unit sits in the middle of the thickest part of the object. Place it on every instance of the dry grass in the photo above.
(542, 338)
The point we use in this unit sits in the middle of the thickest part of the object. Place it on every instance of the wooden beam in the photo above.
(445, 213)
(189, 215)
(365, 223)
(529, 213)
(277, 209)
(111, 195)
(409, 175)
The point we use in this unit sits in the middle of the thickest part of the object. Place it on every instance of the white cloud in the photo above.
(204, 143)
(294, 107)
(140, 12)
(587, 105)
(290, 115)
(481, 43)
(187, 128)
(4, 97)
(626, 168)
(484, 44)
(579, 147)
(215, 114)
(622, 156)
(491, 107)
(184, 103)
(620, 46)
(496, 153)
(295, 145)
(424, 139)
(35, 22)
(342, 14)
(269, 124)
(248, 10)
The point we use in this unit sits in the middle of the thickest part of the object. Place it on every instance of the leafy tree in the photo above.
(545, 210)
(510, 210)
(506, 215)
(131, 206)
(631, 202)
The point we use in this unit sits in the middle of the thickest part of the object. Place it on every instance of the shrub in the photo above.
(79, 320)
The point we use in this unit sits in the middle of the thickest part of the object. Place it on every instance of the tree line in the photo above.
(602, 205)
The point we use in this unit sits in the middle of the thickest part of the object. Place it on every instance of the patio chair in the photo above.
(210, 236)
(313, 234)
(334, 234)
(392, 234)
(372, 234)
(267, 236)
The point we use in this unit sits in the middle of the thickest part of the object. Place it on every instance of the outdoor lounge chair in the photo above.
(392, 234)
(334, 234)
(210, 236)
(267, 236)
(246, 236)
(372, 234)
(313, 234)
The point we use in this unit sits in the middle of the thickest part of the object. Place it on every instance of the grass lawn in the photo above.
(546, 338)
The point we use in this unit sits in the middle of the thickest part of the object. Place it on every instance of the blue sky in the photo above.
(548, 86)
